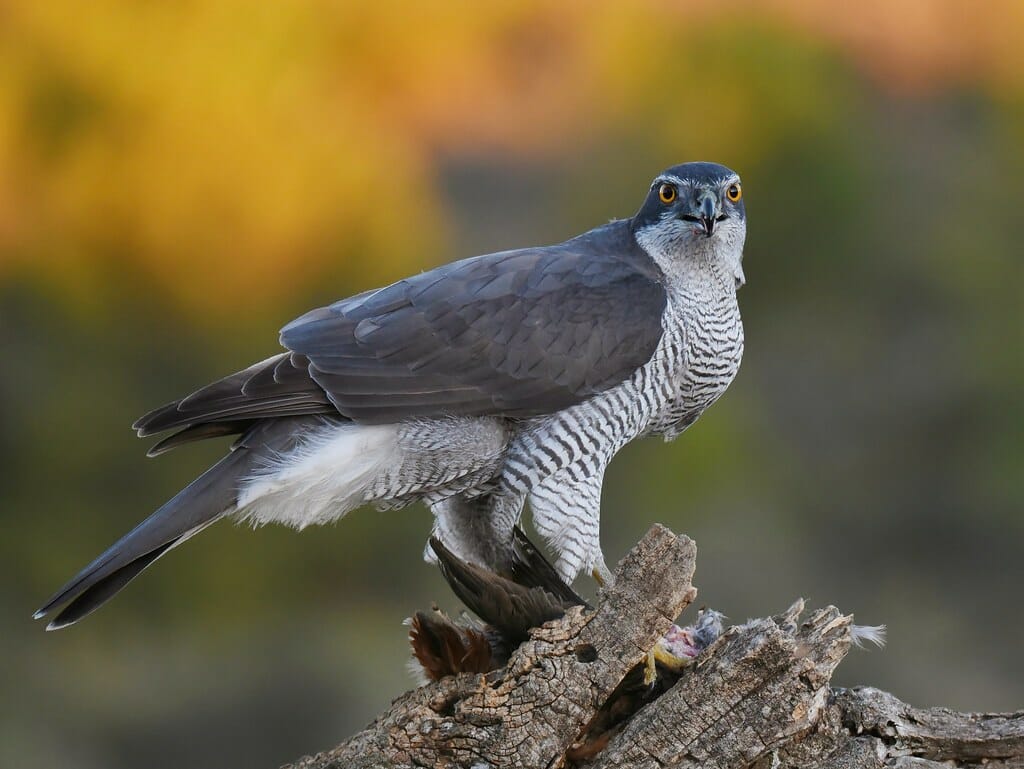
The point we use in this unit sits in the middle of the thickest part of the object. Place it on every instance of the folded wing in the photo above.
(518, 333)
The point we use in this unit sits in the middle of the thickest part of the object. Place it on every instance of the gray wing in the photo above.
(517, 334)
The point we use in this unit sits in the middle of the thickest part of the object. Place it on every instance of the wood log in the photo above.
(758, 697)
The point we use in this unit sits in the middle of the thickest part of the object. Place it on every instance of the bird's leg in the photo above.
(650, 668)
(477, 530)
(602, 574)
(567, 513)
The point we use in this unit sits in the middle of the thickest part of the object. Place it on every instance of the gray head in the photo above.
(694, 217)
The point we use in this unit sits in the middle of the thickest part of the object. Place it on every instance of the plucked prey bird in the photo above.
(510, 607)
(475, 387)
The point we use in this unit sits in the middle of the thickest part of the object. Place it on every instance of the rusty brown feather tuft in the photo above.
(444, 648)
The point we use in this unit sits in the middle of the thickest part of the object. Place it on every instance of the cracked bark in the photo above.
(759, 697)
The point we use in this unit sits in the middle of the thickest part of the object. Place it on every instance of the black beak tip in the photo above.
(706, 206)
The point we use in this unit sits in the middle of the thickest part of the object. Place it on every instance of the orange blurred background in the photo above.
(179, 180)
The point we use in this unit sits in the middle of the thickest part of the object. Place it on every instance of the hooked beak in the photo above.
(706, 212)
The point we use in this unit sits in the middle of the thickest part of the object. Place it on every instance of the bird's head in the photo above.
(693, 216)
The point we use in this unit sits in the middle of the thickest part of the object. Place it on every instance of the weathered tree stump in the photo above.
(760, 697)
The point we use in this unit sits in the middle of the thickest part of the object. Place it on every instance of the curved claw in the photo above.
(602, 575)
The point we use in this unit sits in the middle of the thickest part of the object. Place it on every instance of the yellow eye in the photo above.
(734, 193)
(666, 193)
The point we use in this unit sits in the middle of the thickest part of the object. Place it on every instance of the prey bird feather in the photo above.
(511, 606)
(477, 387)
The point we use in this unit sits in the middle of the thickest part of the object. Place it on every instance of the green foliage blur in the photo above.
(178, 181)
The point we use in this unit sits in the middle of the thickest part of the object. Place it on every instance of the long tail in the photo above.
(209, 497)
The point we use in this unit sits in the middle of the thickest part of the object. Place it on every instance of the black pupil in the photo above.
(667, 192)
(734, 192)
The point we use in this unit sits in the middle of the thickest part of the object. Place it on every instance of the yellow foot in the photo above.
(650, 667)
(602, 575)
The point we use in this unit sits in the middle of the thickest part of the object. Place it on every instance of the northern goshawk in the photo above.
(475, 387)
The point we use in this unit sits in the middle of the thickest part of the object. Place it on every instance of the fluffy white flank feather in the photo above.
(322, 479)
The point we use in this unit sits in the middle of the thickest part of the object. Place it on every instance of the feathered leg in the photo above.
(567, 512)
(477, 530)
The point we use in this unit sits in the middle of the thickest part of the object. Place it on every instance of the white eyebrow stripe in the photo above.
(670, 179)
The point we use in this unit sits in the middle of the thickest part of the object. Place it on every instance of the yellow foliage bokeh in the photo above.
(231, 148)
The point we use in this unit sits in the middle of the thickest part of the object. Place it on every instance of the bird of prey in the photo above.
(475, 387)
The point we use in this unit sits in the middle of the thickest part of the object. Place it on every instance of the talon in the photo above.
(650, 668)
(602, 574)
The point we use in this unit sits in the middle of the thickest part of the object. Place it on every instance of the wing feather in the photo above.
(517, 333)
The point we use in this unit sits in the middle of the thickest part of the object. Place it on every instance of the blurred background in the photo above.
(178, 180)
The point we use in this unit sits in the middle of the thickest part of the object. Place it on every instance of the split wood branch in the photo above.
(760, 697)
